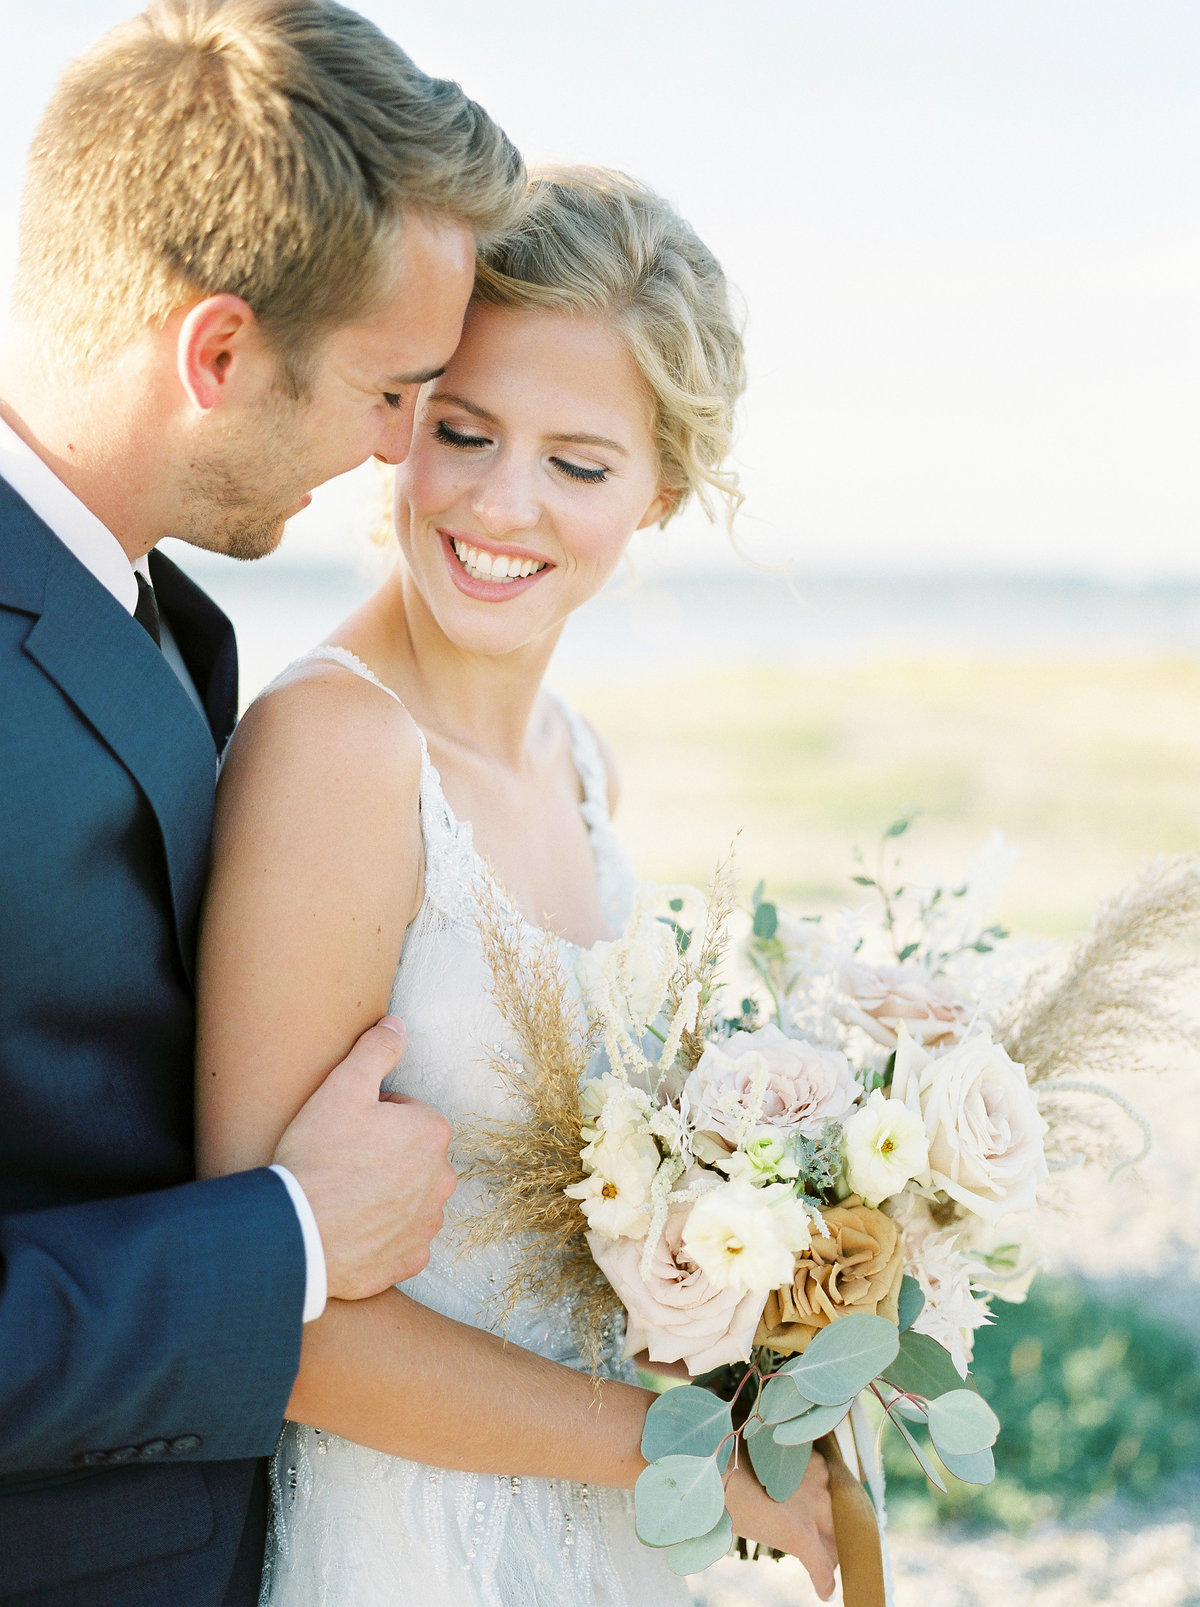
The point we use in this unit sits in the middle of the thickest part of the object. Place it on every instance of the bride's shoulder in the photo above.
(321, 734)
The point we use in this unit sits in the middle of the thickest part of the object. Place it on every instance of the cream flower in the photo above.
(615, 1197)
(764, 1156)
(986, 1135)
(951, 1313)
(675, 1313)
(763, 1078)
(746, 1238)
(881, 998)
(884, 1147)
(612, 1106)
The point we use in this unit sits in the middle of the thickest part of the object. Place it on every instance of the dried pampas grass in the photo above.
(527, 1160)
(1126, 996)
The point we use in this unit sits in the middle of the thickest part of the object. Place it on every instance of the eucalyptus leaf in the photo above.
(979, 1468)
(923, 1367)
(927, 1467)
(962, 1423)
(678, 1498)
(766, 920)
(811, 1425)
(915, 1411)
(780, 1468)
(688, 1422)
(781, 1399)
(690, 1556)
(844, 1358)
(912, 1302)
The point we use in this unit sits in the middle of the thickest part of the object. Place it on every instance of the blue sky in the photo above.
(966, 235)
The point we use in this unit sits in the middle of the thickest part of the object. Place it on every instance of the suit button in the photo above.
(185, 1443)
(151, 1449)
(123, 1453)
(91, 1459)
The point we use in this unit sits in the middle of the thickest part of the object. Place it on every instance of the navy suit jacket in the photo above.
(149, 1323)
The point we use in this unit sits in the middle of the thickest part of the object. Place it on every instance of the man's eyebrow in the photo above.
(400, 380)
(490, 418)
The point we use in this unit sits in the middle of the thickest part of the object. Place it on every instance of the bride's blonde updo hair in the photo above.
(597, 243)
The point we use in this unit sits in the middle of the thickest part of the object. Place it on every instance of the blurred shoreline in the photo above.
(684, 622)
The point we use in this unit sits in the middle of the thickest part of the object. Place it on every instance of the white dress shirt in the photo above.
(99, 551)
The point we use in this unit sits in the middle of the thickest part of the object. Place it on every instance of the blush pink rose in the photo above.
(878, 998)
(676, 1314)
(765, 1078)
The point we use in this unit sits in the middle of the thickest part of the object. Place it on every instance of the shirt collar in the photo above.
(75, 525)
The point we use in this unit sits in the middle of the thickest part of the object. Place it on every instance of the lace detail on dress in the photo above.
(352, 1527)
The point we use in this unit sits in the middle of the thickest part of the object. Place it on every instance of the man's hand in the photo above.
(802, 1526)
(373, 1167)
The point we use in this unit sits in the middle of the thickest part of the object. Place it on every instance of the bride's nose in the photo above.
(505, 498)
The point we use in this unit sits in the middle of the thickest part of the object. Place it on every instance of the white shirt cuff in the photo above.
(316, 1287)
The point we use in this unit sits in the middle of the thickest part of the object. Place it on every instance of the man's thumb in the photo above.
(377, 1052)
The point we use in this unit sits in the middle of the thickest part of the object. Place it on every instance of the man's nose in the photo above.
(398, 428)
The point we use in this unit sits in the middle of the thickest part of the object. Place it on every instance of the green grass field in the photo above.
(1088, 768)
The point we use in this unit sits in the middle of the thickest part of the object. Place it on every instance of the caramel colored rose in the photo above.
(857, 1268)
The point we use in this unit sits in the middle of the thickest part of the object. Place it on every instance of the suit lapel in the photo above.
(103, 661)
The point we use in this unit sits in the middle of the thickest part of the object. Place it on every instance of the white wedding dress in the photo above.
(353, 1527)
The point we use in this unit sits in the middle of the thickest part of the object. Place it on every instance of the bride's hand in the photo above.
(802, 1526)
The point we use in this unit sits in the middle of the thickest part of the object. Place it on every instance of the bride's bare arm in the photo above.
(315, 874)
(389, 1373)
(317, 867)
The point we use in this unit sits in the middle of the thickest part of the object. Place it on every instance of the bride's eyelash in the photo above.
(574, 471)
(451, 437)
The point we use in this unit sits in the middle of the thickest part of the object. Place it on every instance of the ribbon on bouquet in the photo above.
(860, 1544)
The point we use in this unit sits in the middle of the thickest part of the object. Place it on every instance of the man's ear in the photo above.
(216, 336)
(663, 506)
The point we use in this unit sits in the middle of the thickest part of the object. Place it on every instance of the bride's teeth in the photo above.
(482, 566)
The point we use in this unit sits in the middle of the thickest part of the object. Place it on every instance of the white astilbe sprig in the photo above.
(662, 1197)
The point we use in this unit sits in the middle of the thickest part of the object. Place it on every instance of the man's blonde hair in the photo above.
(598, 243)
(265, 148)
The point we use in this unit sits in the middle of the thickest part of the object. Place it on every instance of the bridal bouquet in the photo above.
(808, 1182)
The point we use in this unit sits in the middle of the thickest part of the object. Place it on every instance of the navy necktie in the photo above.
(146, 612)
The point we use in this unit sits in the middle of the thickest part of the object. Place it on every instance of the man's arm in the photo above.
(152, 1327)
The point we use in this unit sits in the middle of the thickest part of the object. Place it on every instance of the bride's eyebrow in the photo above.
(450, 399)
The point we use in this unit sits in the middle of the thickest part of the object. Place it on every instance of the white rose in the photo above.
(675, 1313)
(746, 1238)
(884, 1147)
(986, 1134)
(615, 1198)
(763, 1078)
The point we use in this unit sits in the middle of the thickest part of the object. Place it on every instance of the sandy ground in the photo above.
(1143, 1235)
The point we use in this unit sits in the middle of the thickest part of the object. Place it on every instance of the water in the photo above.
(691, 623)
